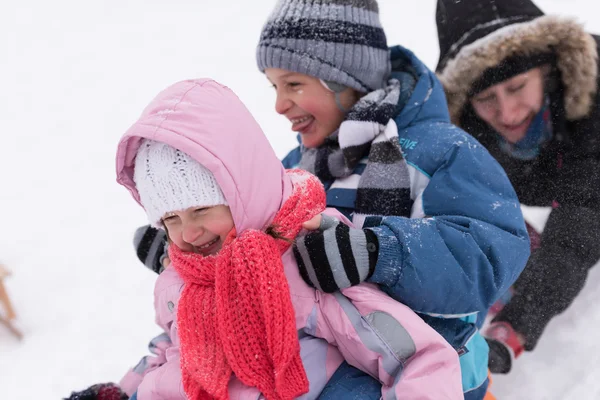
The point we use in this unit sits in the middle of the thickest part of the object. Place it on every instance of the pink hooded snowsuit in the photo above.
(361, 324)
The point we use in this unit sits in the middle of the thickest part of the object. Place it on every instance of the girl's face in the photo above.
(510, 106)
(199, 230)
(309, 105)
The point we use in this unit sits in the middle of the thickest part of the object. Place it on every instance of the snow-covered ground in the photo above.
(73, 76)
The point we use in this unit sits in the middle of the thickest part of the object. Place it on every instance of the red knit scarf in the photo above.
(235, 314)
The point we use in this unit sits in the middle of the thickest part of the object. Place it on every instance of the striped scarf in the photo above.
(235, 315)
(368, 130)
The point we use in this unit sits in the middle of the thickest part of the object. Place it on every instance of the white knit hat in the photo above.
(169, 180)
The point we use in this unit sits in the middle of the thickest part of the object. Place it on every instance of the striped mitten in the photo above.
(336, 256)
(150, 246)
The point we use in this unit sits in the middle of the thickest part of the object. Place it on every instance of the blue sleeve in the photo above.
(292, 159)
(469, 248)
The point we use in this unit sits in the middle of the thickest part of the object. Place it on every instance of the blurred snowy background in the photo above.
(74, 76)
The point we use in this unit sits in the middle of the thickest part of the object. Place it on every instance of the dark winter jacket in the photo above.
(476, 38)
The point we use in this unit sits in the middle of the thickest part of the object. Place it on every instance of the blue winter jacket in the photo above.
(465, 242)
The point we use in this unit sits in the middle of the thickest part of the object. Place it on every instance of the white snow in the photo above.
(73, 76)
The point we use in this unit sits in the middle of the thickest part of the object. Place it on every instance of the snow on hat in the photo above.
(339, 41)
(169, 180)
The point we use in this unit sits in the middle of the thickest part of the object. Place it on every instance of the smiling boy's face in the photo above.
(309, 105)
(199, 230)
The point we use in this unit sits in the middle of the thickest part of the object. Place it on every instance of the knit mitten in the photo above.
(150, 245)
(102, 391)
(335, 256)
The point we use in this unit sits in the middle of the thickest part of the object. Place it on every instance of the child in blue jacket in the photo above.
(437, 214)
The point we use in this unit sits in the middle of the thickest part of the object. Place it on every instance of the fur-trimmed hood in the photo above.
(576, 54)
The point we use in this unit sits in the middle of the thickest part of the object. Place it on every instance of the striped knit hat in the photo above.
(339, 41)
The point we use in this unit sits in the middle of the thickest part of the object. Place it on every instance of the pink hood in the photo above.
(204, 119)
(361, 325)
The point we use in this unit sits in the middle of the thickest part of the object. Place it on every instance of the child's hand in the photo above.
(313, 224)
(103, 391)
(151, 247)
(333, 256)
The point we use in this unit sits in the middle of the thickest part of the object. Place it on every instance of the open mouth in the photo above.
(520, 126)
(209, 247)
(301, 124)
(515, 132)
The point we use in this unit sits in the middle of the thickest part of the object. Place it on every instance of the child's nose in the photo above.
(192, 232)
(282, 104)
(508, 110)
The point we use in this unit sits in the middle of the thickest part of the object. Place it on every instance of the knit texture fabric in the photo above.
(168, 180)
(150, 246)
(102, 391)
(340, 41)
(368, 131)
(336, 256)
(235, 314)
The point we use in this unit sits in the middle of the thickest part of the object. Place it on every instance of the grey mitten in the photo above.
(151, 247)
(336, 256)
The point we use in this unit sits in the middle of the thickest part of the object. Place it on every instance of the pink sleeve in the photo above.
(158, 346)
(390, 342)
(164, 382)
(158, 377)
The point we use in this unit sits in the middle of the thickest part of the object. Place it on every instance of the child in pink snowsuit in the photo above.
(241, 323)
